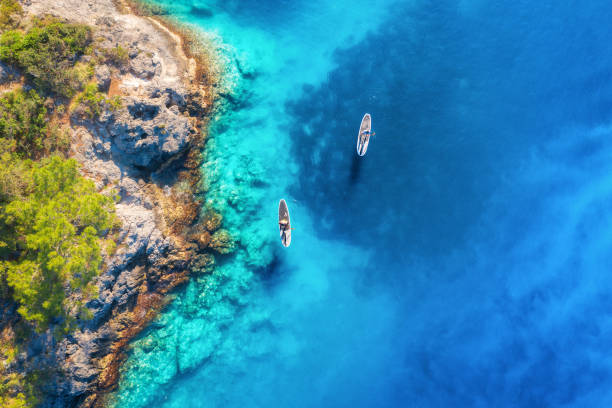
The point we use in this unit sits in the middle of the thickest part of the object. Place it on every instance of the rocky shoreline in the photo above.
(149, 151)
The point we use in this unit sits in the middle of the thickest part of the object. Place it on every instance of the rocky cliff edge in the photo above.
(148, 151)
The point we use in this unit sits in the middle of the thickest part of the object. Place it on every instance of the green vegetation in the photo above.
(92, 102)
(23, 121)
(47, 53)
(52, 220)
(143, 8)
(10, 14)
(12, 182)
(11, 395)
(54, 225)
(25, 128)
(117, 56)
(16, 389)
(55, 228)
(52, 228)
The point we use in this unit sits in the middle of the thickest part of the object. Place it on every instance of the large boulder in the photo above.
(146, 133)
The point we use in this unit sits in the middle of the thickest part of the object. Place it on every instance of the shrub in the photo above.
(10, 395)
(13, 173)
(10, 45)
(82, 73)
(54, 231)
(10, 13)
(48, 53)
(92, 102)
(23, 122)
(25, 128)
(17, 390)
(142, 8)
(117, 56)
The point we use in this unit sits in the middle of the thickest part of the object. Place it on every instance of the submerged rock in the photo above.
(212, 220)
(204, 239)
(222, 242)
(203, 263)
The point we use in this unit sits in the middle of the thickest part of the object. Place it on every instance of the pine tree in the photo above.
(56, 225)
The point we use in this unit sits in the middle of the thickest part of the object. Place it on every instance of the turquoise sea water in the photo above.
(464, 261)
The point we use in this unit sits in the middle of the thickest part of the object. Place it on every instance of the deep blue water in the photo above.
(463, 262)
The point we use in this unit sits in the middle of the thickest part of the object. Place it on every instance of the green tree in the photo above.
(57, 227)
(14, 174)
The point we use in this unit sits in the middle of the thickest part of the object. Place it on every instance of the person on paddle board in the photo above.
(367, 133)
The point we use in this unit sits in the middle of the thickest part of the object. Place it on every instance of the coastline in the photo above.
(200, 80)
(166, 233)
(475, 275)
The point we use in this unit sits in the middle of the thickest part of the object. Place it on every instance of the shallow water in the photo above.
(462, 262)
